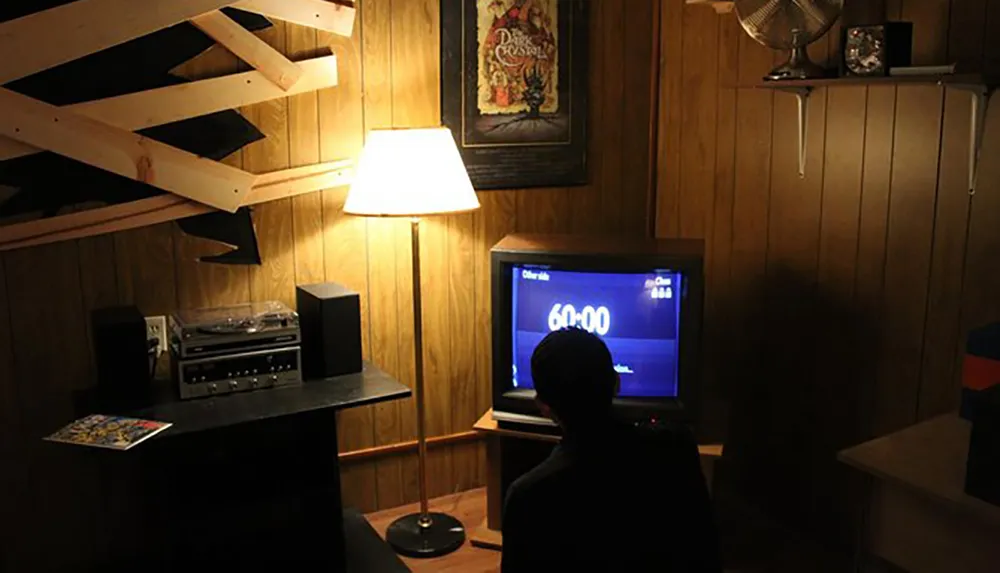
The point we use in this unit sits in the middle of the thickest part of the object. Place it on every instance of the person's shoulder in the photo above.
(539, 479)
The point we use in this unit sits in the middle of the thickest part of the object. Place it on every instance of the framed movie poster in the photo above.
(514, 90)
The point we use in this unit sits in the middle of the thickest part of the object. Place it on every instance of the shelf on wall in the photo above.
(720, 6)
(952, 80)
(979, 86)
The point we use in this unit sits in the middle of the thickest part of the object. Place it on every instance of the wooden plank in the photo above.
(753, 172)
(303, 149)
(749, 254)
(84, 27)
(384, 246)
(991, 42)
(671, 105)
(163, 208)
(792, 306)
(584, 208)
(967, 26)
(835, 400)
(543, 210)
(637, 115)
(839, 226)
(144, 261)
(146, 274)
(612, 16)
(720, 243)
(274, 279)
(319, 14)
(930, 46)
(271, 63)
(416, 103)
(384, 343)
(99, 289)
(149, 108)
(341, 132)
(51, 359)
(944, 341)
(461, 285)
(122, 152)
(496, 219)
(698, 123)
(13, 483)
(908, 254)
(872, 232)
(98, 281)
(407, 367)
(980, 304)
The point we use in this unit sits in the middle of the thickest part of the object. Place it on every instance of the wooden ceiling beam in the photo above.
(249, 48)
(320, 14)
(46, 39)
(160, 106)
(120, 151)
(163, 208)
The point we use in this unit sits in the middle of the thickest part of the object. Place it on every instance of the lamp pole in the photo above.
(425, 520)
(422, 534)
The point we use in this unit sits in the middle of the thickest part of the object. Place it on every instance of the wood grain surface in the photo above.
(837, 304)
(388, 77)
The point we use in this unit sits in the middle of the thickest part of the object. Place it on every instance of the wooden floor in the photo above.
(771, 549)
(470, 508)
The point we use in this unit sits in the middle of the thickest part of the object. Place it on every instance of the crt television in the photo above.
(643, 297)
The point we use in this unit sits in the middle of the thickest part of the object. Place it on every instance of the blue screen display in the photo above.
(636, 314)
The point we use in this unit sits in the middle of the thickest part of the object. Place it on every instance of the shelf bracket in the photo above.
(981, 96)
(802, 98)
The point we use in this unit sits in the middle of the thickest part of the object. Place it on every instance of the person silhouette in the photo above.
(612, 496)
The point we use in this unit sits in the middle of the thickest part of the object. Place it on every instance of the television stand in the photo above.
(510, 453)
(525, 423)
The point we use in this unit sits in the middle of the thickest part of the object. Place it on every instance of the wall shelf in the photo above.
(720, 6)
(979, 86)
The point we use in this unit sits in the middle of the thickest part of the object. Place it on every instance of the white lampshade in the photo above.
(410, 173)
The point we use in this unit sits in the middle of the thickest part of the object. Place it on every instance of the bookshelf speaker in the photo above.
(330, 320)
(121, 356)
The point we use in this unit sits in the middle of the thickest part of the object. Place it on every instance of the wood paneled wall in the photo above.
(51, 497)
(837, 304)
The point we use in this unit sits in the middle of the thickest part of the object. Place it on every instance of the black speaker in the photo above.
(330, 320)
(121, 355)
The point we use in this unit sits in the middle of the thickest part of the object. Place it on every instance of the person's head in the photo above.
(574, 377)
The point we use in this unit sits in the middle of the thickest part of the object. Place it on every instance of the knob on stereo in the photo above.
(234, 384)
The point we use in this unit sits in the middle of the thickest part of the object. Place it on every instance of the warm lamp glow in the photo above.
(410, 173)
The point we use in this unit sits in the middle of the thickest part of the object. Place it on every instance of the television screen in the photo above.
(636, 314)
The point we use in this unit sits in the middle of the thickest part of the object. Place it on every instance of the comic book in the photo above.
(113, 432)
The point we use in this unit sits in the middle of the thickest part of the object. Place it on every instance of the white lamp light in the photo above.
(414, 173)
(410, 173)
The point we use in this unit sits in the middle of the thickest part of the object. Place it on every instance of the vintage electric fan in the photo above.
(789, 25)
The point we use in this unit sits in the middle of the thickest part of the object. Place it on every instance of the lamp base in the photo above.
(408, 537)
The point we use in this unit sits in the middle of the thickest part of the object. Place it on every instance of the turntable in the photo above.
(235, 349)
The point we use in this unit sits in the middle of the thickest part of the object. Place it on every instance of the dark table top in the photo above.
(188, 416)
(927, 459)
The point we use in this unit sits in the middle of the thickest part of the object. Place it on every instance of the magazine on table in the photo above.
(112, 432)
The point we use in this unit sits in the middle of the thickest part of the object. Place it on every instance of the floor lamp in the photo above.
(415, 173)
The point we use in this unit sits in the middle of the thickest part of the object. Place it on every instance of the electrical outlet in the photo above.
(156, 327)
